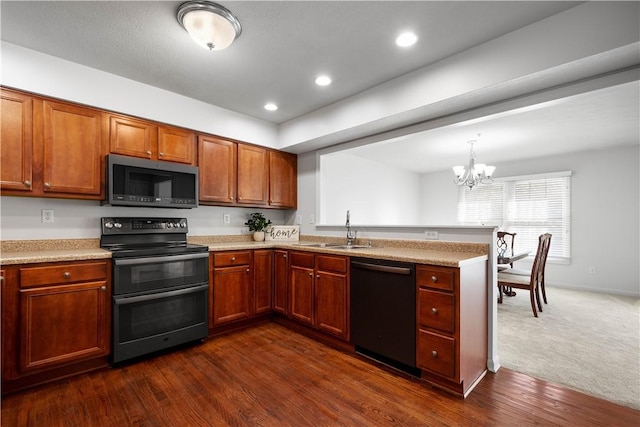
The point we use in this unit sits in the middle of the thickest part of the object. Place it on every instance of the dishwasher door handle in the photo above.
(383, 268)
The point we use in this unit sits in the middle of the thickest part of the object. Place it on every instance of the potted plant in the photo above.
(258, 224)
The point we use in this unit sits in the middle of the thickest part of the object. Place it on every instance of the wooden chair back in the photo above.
(505, 242)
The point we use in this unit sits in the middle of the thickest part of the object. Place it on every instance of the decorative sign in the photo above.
(287, 233)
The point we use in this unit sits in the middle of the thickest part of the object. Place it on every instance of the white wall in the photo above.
(605, 215)
(47, 75)
(383, 194)
(78, 219)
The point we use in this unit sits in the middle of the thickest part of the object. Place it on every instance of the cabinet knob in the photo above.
(27, 183)
(434, 354)
(148, 153)
(434, 279)
(318, 276)
(248, 270)
(434, 310)
(161, 154)
(310, 274)
(103, 288)
(284, 256)
(47, 185)
(66, 274)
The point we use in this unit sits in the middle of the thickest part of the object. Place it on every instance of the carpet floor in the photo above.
(586, 341)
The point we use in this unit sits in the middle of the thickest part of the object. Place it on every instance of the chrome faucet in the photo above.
(351, 235)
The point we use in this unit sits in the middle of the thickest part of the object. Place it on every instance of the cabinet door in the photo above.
(262, 280)
(283, 180)
(63, 323)
(280, 276)
(301, 294)
(131, 137)
(73, 150)
(16, 143)
(176, 145)
(331, 303)
(217, 164)
(253, 175)
(231, 294)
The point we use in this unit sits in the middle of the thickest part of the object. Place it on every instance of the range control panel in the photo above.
(143, 225)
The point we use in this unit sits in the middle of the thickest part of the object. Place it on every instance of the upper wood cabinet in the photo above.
(253, 175)
(140, 138)
(283, 176)
(51, 148)
(217, 165)
(237, 174)
(16, 148)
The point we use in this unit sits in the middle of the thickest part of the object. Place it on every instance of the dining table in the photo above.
(509, 259)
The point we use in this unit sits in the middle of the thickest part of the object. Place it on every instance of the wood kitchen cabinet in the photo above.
(141, 138)
(452, 325)
(280, 281)
(217, 159)
(318, 292)
(16, 149)
(56, 321)
(51, 148)
(253, 175)
(232, 287)
(262, 281)
(283, 176)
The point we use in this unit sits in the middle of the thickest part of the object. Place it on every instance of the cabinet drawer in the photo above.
(437, 310)
(336, 264)
(433, 277)
(301, 259)
(62, 273)
(223, 259)
(436, 353)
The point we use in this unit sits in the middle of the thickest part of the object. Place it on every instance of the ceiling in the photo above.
(284, 45)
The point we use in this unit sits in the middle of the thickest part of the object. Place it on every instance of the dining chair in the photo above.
(532, 284)
(522, 272)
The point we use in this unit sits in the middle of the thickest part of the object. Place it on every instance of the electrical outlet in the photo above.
(226, 218)
(47, 215)
(593, 270)
(431, 235)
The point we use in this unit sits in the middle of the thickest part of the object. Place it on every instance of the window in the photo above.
(526, 205)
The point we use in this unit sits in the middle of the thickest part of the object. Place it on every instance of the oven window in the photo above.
(145, 319)
(165, 273)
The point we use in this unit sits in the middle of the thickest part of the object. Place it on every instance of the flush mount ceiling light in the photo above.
(475, 174)
(210, 25)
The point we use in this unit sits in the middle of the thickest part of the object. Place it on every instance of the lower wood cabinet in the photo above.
(262, 281)
(280, 281)
(56, 320)
(319, 290)
(232, 286)
(452, 325)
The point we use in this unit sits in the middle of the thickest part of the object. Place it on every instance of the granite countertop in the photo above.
(447, 254)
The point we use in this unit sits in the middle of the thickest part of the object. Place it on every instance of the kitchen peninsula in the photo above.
(451, 280)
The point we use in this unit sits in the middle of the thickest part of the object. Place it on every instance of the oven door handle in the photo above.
(159, 259)
(159, 295)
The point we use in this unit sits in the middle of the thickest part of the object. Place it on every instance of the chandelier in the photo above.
(475, 174)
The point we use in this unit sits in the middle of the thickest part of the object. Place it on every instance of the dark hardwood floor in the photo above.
(270, 376)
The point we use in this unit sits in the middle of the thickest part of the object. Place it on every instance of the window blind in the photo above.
(528, 206)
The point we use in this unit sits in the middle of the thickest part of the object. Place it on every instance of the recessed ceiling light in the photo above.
(406, 39)
(270, 106)
(323, 80)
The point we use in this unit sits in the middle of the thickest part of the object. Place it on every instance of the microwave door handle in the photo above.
(160, 295)
(159, 259)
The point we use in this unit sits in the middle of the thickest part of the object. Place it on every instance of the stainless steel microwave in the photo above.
(132, 181)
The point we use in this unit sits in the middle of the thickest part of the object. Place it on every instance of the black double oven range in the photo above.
(160, 285)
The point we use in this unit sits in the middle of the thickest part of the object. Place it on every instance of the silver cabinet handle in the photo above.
(103, 288)
(233, 259)
(434, 310)
(434, 279)
(66, 274)
(434, 354)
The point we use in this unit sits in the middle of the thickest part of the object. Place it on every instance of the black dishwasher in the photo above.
(383, 312)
